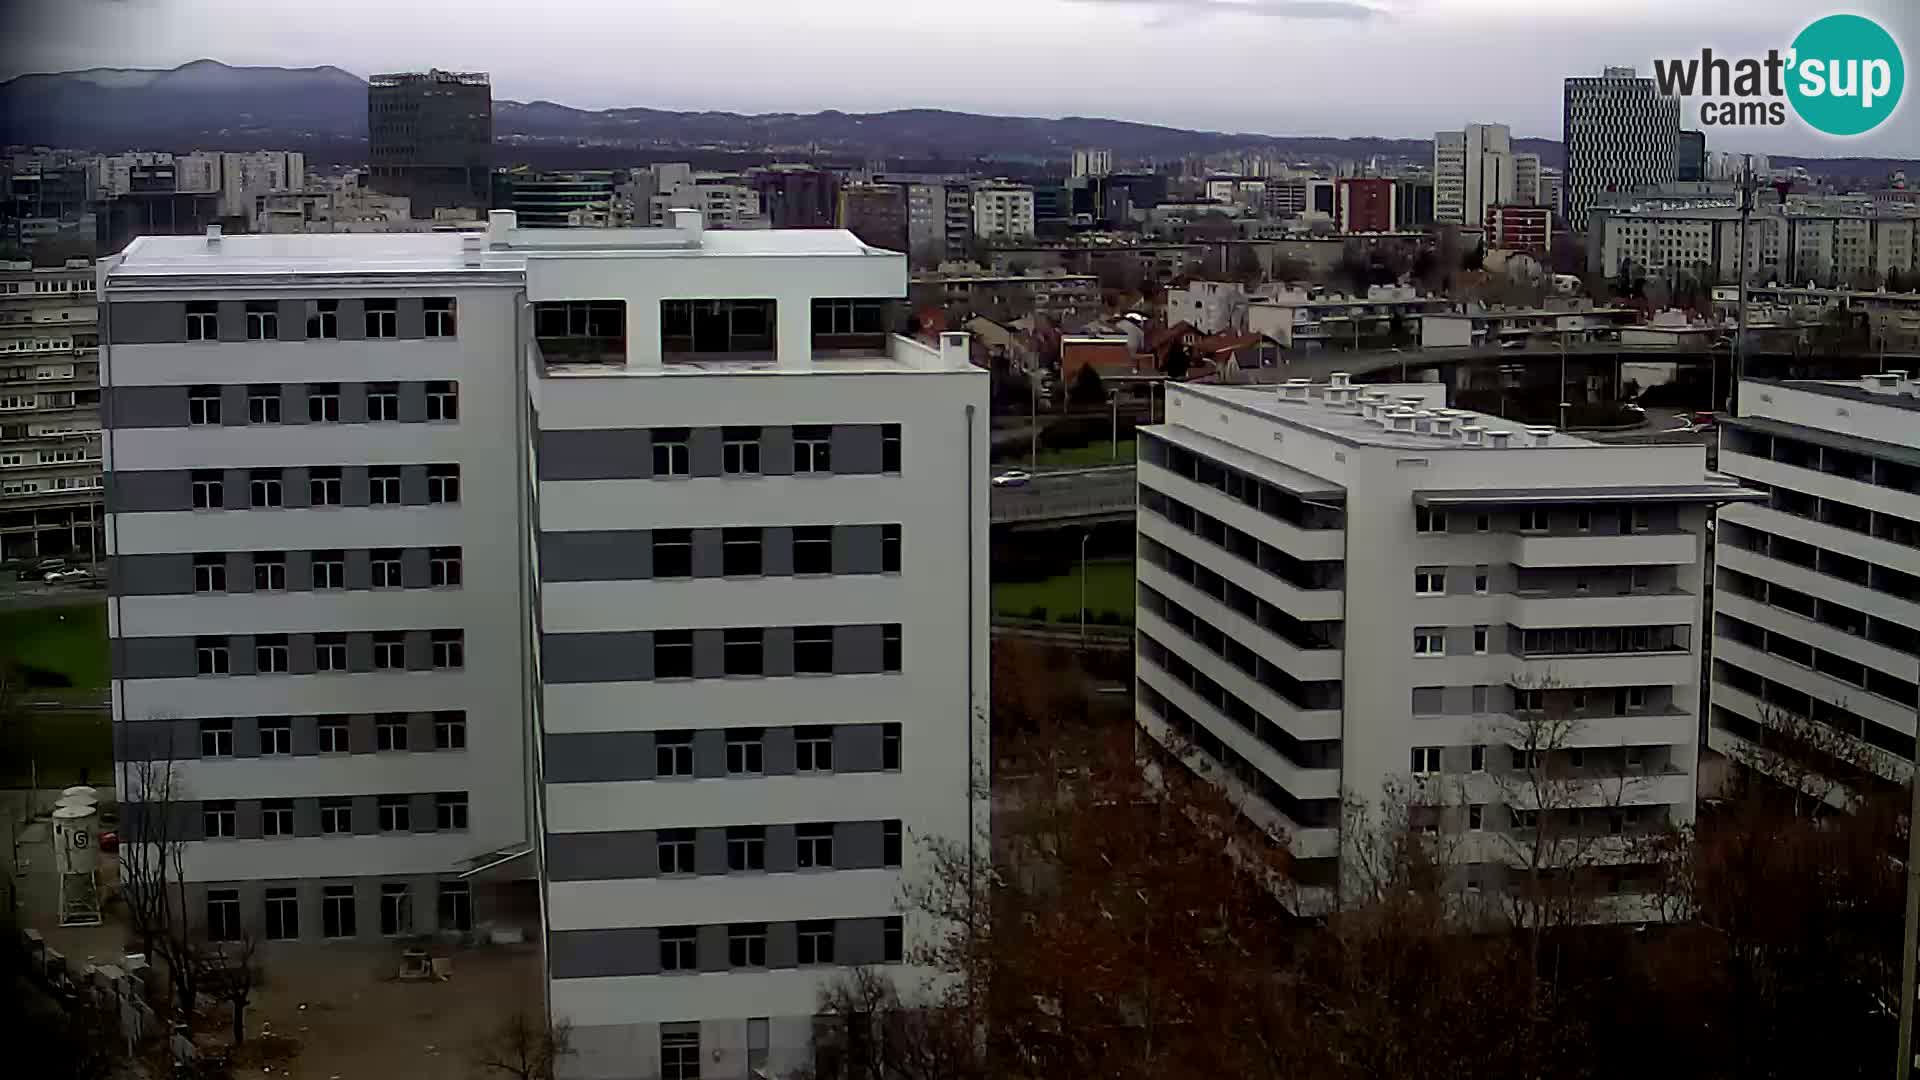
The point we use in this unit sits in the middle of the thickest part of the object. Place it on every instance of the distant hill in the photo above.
(323, 111)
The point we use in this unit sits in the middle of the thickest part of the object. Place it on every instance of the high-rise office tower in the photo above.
(1620, 133)
(430, 138)
(1472, 169)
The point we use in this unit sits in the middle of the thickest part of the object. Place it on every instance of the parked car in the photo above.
(1012, 478)
(38, 571)
(1704, 420)
(71, 573)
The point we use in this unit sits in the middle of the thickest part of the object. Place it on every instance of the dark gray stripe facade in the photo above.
(634, 854)
(612, 756)
(589, 954)
(627, 453)
(174, 574)
(188, 820)
(163, 490)
(165, 321)
(628, 555)
(177, 739)
(361, 895)
(177, 658)
(131, 407)
(629, 655)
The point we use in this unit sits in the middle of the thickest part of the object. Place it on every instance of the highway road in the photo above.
(1062, 495)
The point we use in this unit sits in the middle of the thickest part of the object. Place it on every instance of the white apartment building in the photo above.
(1817, 589)
(727, 672)
(1002, 211)
(1093, 162)
(1526, 179)
(1472, 169)
(1826, 246)
(1621, 133)
(724, 198)
(50, 465)
(1344, 587)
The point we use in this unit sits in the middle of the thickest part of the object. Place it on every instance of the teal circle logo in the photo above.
(1847, 75)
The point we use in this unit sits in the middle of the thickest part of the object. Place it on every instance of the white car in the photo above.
(1012, 478)
(72, 573)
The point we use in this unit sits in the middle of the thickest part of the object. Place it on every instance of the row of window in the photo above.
(328, 569)
(673, 751)
(1826, 662)
(1241, 487)
(325, 486)
(744, 551)
(1243, 545)
(747, 950)
(740, 450)
(1309, 813)
(380, 319)
(220, 818)
(333, 735)
(1543, 519)
(1429, 761)
(280, 915)
(265, 403)
(1323, 634)
(1783, 700)
(1879, 524)
(273, 653)
(1430, 700)
(744, 651)
(1322, 694)
(747, 848)
(1815, 457)
(1841, 617)
(1834, 564)
(1304, 754)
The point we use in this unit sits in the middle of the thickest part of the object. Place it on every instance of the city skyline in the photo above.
(1073, 57)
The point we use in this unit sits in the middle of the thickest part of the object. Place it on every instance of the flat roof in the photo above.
(1637, 494)
(1851, 390)
(1350, 427)
(1297, 481)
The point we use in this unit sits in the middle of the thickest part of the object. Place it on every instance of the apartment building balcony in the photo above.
(1541, 610)
(1302, 663)
(1316, 544)
(1631, 549)
(1816, 684)
(1305, 842)
(1591, 789)
(1299, 781)
(1299, 723)
(1852, 485)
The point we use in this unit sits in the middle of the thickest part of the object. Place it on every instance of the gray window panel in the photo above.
(857, 649)
(1428, 700)
(858, 845)
(710, 851)
(354, 486)
(591, 954)
(137, 492)
(617, 454)
(783, 945)
(1460, 580)
(413, 485)
(597, 756)
(246, 819)
(293, 488)
(709, 654)
(306, 811)
(704, 452)
(151, 575)
(611, 656)
(601, 856)
(777, 650)
(411, 318)
(709, 754)
(856, 748)
(709, 551)
(858, 941)
(155, 740)
(856, 448)
(1459, 640)
(233, 320)
(776, 751)
(776, 451)
(299, 574)
(776, 550)
(419, 650)
(147, 323)
(415, 569)
(413, 402)
(596, 556)
(177, 820)
(1498, 640)
(1456, 700)
(360, 735)
(300, 654)
(366, 817)
(353, 403)
(240, 571)
(246, 735)
(781, 849)
(293, 320)
(235, 488)
(233, 405)
(306, 735)
(421, 815)
(420, 730)
(126, 407)
(856, 549)
(353, 320)
(293, 395)
(156, 658)
(712, 947)
(359, 568)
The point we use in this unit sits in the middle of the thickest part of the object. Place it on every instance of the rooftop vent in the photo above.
(1413, 404)
(1422, 422)
(471, 245)
(1498, 439)
(1340, 397)
(1400, 420)
(1541, 435)
(213, 236)
(1340, 379)
(1886, 380)
(1443, 425)
(1294, 390)
(1472, 434)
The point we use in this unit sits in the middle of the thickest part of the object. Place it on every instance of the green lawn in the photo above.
(1083, 457)
(53, 749)
(1109, 589)
(71, 641)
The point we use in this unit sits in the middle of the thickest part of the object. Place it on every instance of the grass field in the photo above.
(71, 641)
(56, 749)
(1109, 589)
(1083, 457)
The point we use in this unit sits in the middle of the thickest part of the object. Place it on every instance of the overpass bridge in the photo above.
(1076, 496)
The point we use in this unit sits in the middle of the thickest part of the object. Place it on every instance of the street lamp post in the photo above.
(1560, 395)
(1084, 537)
(1033, 421)
(1113, 399)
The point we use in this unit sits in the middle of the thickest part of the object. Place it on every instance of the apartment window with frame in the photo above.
(679, 948)
(334, 735)
(1480, 640)
(276, 817)
(1636, 698)
(1427, 520)
(336, 911)
(323, 403)
(276, 736)
(813, 650)
(890, 645)
(203, 320)
(1476, 817)
(673, 755)
(443, 484)
(383, 402)
(890, 447)
(450, 811)
(1638, 519)
(743, 651)
(383, 318)
(1429, 581)
(672, 553)
(209, 573)
(263, 320)
(1526, 759)
(283, 914)
(1429, 642)
(443, 567)
(1583, 520)
(1481, 580)
(329, 570)
(390, 731)
(673, 654)
(323, 320)
(1479, 757)
(203, 406)
(740, 451)
(745, 751)
(210, 656)
(1534, 519)
(675, 849)
(330, 652)
(443, 400)
(219, 819)
(449, 649)
(385, 566)
(395, 813)
(890, 747)
(383, 485)
(1426, 760)
(390, 650)
(216, 737)
(889, 549)
(747, 945)
(209, 492)
(396, 909)
(263, 489)
(223, 914)
(813, 549)
(1483, 523)
(815, 846)
(456, 906)
(324, 487)
(679, 1055)
(813, 449)
(891, 836)
(740, 554)
(813, 749)
(263, 404)
(746, 848)
(336, 816)
(815, 942)
(439, 314)
(450, 730)
(671, 453)
(893, 940)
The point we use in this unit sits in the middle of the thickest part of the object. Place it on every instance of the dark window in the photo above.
(890, 746)
(673, 654)
(813, 449)
(323, 319)
(223, 914)
(383, 402)
(390, 731)
(334, 735)
(841, 318)
(671, 456)
(676, 851)
(440, 316)
(443, 567)
(203, 405)
(890, 836)
(283, 914)
(816, 942)
(263, 320)
(813, 650)
(679, 1055)
(390, 650)
(383, 318)
(746, 848)
(396, 909)
(890, 647)
(449, 649)
(893, 940)
(889, 549)
(672, 553)
(443, 400)
(263, 489)
(679, 949)
(740, 451)
(743, 651)
(336, 911)
(276, 817)
(210, 656)
(330, 652)
(383, 485)
(216, 738)
(219, 819)
(813, 549)
(747, 945)
(395, 815)
(450, 811)
(744, 751)
(813, 749)
(276, 735)
(581, 331)
(456, 906)
(740, 552)
(449, 731)
(815, 846)
(209, 573)
(890, 448)
(263, 404)
(673, 754)
(323, 403)
(443, 483)
(716, 327)
(330, 569)
(203, 320)
(208, 490)
(324, 487)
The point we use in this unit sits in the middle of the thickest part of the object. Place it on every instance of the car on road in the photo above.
(1012, 478)
(38, 571)
(71, 573)
(1704, 420)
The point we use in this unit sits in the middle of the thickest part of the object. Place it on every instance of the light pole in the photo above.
(1084, 537)
(1033, 419)
(1113, 399)
(1560, 393)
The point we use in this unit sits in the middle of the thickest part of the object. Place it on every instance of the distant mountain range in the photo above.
(323, 111)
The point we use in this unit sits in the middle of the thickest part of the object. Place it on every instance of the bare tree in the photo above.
(153, 881)
(523, 1046)
(1817, 766)
(229, 972)
(863, 1030)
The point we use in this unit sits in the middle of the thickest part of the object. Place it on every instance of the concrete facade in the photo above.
(50, 465)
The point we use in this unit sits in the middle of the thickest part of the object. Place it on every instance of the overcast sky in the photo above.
(1286, 67)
